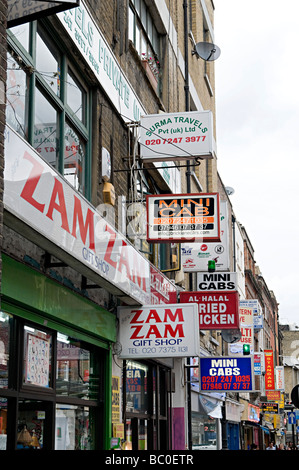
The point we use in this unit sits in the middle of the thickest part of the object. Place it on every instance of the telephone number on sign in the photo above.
(175, 140)
(225, 386)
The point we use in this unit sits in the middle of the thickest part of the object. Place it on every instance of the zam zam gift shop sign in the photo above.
(158, 331)
(67, 224)
(226, 374)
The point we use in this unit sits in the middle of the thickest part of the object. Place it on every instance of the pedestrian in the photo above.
(271, 446)
(281, 447)
(253, 447)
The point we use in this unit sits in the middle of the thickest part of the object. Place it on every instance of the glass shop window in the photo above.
(136, 387)
(74, 428)
(77, 374)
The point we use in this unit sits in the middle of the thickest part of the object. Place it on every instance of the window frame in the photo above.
(35, 80)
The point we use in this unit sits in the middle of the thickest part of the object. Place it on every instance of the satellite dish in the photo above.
(207, 51)
(231, 336)
(229, 190)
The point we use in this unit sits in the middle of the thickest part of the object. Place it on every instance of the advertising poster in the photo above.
(226, 374)
(183, 217)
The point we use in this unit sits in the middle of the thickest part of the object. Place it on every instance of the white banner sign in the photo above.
(279, 375)
(159, 331)
(40, 197)
(217, 281)
(176, 136)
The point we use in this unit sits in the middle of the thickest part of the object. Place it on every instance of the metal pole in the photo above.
(188, 177)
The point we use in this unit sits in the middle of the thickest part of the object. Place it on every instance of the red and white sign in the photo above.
(247, 330)
(279, 374)
(68, 226)
(158, 331)
(216, 310)
(269, 368)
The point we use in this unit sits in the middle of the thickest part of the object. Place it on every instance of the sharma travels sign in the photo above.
(176, 136)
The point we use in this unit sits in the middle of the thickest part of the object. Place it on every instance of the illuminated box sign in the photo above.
(49, 209)
(216, 310)
(268, 407)
(226, 374)
(217, 281)
(183, 217)
(176, 136)
(157, 331)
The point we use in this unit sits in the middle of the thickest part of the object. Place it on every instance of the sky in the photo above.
(257, 133)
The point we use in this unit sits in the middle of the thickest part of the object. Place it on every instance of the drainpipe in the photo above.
(188, 177)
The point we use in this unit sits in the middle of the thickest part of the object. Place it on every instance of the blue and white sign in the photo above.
(233, 374)
(292, 417)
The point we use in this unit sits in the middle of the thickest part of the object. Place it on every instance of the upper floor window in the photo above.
(143, 34)
(47, 102)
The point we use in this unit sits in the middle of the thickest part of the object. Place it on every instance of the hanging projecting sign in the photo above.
(269, 368)
(44, 205)
(20, 11)
(216, 310)
(176, 136)
(183, 217)
(195, 257)
(216, 281)
(226, 374)
(158, 331)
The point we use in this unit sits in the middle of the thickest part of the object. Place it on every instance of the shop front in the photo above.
(55, 364)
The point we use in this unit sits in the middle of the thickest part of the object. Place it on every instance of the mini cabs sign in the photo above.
(224, 374)
(183, 217)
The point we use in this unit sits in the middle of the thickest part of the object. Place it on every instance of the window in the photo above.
(144, 35)
(51, 388)
(48, 102)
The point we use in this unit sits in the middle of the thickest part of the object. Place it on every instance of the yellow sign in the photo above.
(118, 430)
(115, 400)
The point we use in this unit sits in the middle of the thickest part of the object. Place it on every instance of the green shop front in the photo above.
(55, 373)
